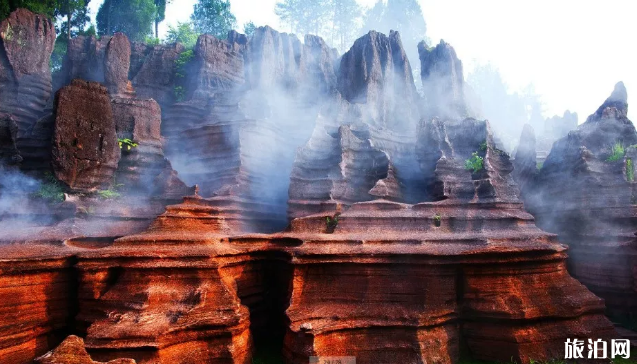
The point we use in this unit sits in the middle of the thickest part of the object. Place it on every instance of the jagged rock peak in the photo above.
(615, 106)
(525, 162)
(376, 72)
(442, 80)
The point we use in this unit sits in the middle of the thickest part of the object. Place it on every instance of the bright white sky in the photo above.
(572, 51)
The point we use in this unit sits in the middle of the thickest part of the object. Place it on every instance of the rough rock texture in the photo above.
(442, 81)
(375, 72)
(36, 288)
(494, 273)
(72, 351)
(152, 71)
(588, 199)
(247, 111)
(143, 169)
(117, 64)
(85, 150)
(26, 44)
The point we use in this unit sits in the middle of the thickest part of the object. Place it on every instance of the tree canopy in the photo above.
(213, 17)
(182, 33)
(135, 18)
(334, 20)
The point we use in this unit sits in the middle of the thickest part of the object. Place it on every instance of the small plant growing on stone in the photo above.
(180, 73)
(539, 165)
(630, 170)
(475, 163)
(51, 189)
(617, 152)
(437, 220)
(483, 146)
(126, 144)
(331, 223)
(108, 194)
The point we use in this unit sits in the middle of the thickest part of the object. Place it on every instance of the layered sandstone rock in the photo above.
(152, 71)
(85, 150)
(494, 273)
(36, 291)
(248, 109)
(72, 351)
(585, 193)
(9, 153)
(117, 64)
(26, 44)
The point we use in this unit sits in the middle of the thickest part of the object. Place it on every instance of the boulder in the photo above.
(85, 149)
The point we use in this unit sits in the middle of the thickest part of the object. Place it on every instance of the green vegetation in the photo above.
(249, 28)
(331, 223)
(51, 189)
(483, 146)
(180, 73)
(539, 165)
(437, 220)
(183, 33)
(630, 170)
(126, 144)
(213, 17)
(135, 18)
(475, 163)
(617, 152)
(108, 194)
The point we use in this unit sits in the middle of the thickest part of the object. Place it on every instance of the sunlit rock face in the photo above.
(26, 44)
(585, 193)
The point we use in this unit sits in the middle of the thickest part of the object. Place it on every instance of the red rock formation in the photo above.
(85, 150)
(9, 153)
(152, 71)
(36, 290)
(72, 351)
(117, 64)
(26, 44)
(588, 199)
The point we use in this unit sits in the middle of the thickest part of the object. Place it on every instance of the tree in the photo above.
(46, 7)
(213, 17)
(346, 14)
(183, 33)
(305, 16)
(249, 28)
(76, 14)
(135, 18)
(160, 14)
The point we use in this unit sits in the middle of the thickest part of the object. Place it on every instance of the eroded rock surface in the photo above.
(72, 351)
(26, 44)
(85, 149)
(585, 193)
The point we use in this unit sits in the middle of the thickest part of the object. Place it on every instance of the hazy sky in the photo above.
(573, 51)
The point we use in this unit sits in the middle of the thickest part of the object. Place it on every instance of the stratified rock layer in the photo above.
(26, 44)
(72, 351)
(85, 150)
(585, 193)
